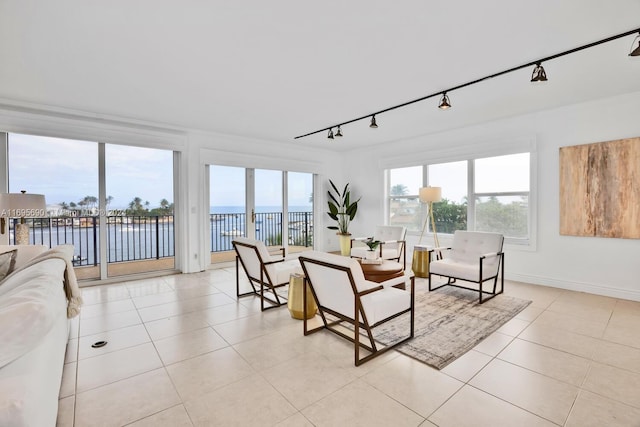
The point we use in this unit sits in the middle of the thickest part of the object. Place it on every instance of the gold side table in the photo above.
(420, 264)
(295, 302)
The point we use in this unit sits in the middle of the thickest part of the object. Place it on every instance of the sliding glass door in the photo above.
(139, 201)
(113, 203)
(251, 202)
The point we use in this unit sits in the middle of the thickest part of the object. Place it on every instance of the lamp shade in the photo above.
(22, 205)
(430, 194)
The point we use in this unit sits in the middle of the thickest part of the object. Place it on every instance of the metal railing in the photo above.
(226, 226)
(133, 238)
(129, 238)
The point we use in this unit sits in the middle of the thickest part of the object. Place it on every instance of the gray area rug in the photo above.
(448, 323)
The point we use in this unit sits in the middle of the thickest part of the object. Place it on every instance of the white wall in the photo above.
(597, 265)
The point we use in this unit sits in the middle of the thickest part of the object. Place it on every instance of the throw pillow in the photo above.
(7, 263)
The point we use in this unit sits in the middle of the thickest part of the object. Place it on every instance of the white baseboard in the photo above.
(608, 291)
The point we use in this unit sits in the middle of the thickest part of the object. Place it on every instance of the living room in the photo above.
(73, 72)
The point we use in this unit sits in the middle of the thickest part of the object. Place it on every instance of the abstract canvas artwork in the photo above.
(600, 189)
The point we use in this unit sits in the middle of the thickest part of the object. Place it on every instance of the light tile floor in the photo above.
(183, 351)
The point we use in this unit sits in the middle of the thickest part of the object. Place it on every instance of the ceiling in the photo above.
(277, 69)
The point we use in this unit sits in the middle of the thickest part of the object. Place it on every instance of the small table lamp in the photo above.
(21, 205)
(430, 195)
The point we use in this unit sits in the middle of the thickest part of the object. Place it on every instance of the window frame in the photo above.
(528, 146)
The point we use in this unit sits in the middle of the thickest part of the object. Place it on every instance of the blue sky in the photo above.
(67, 170)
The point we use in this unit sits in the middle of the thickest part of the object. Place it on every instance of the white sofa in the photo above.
(34, 330)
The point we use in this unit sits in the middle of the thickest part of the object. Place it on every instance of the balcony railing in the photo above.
(224, 227)
(133, 238)
(129, 238)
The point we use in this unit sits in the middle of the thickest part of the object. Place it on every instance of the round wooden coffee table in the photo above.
(381, 272)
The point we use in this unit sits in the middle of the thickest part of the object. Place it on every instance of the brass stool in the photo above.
(295, 300)
(420, 264)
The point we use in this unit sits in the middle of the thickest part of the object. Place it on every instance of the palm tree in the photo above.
(136, 207)
(399, 190)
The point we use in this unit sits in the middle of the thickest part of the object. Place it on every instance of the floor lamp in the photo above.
(430, 195)
(420, 264)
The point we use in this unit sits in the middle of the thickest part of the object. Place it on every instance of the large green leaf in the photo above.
(333, 209)
(334, 188)
(333, 198)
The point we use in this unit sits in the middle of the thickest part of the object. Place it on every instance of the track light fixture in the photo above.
(339, 132)
(635, 52)
(538, 75)
(330, 135)
(445, 104)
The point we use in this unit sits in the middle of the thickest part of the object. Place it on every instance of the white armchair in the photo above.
(341, 291)
(265, 272)
(473, 257)
(392, 246)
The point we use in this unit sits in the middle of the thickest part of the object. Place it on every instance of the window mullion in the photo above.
(471, 198)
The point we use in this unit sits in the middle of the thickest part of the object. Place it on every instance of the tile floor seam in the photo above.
(182, 333)
(299, 411)
(557, 349)
(514, 405)
(75, 388)
(147, 370)
(150, 415)
(539, 373)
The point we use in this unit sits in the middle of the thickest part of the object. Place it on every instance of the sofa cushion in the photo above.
(7, 262)
(25, 252)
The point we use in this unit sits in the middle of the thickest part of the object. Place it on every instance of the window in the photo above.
(450, 214)
(404, 206)
(501, 195)
(483, 194)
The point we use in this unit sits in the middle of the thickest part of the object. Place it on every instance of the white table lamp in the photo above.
(21, 205)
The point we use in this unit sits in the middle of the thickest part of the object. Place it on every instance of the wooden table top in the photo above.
(381, 272)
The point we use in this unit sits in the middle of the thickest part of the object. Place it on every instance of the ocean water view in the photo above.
(131, 238)
(261, 209)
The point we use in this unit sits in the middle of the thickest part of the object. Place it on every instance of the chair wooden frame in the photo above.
(360, 318)
(451, 280)
(264, 282)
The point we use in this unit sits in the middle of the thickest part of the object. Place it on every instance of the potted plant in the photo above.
(373, 245)
(342, 210)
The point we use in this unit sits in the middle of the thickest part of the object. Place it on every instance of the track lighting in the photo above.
(330, 135)
(538, 74)
(445, 104)
(635, 52)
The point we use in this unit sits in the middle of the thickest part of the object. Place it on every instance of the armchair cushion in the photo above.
(474, 257)
(466, 250)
